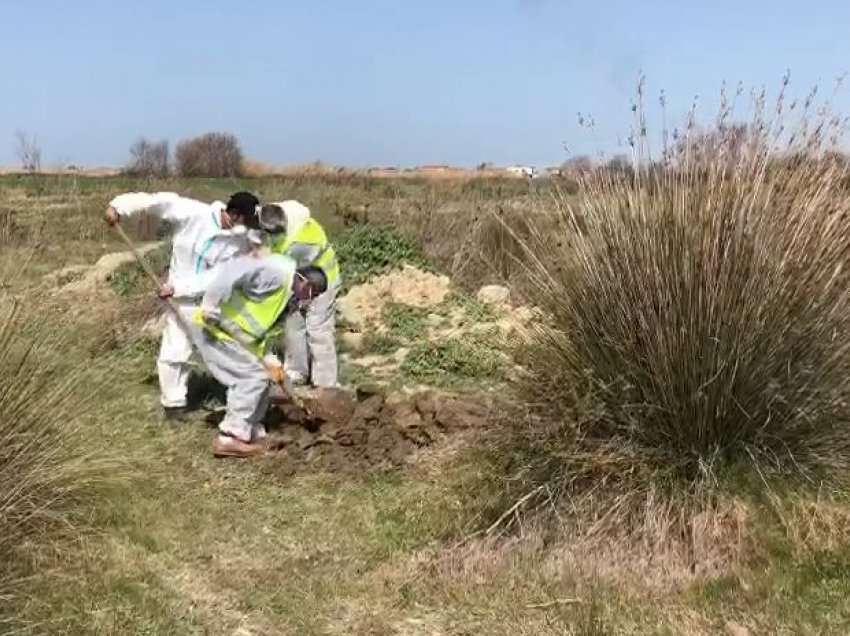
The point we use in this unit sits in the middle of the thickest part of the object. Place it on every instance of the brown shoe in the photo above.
(225, 446)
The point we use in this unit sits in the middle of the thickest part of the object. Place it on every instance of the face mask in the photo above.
(255, 237)
(303, 302)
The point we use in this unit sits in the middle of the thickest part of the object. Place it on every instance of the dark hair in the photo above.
(244, 205)
(315, 277)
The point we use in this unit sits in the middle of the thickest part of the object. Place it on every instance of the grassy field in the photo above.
(191, 545)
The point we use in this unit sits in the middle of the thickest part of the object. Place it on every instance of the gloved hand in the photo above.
(112, 216)
(212, 315)
(275, 368)
(166, 291)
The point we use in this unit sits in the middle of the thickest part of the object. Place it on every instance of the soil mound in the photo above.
(409, 286)
(90, 279)
(339, 432)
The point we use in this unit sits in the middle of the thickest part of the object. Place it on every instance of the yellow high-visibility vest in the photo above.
(312, 233)
(247, 321)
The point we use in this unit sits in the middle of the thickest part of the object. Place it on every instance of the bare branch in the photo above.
(210, 155)
(28, 151)
(148, 158)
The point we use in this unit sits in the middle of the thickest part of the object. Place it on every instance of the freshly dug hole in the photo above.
(341, 434)
(699, 325)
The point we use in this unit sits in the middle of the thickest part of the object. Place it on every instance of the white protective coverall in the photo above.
(198, 244)
(310, 335)
(229, 362)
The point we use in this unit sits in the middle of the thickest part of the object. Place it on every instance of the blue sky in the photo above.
(382, 82)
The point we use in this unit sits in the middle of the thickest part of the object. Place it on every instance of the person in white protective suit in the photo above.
(310, 338)
(205, 235)
(243, 307)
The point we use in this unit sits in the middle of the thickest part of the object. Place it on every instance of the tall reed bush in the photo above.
(699, 312)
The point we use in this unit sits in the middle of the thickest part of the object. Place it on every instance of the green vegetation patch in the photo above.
(367, 250)
(380, 343)
(475, 310)
(454, 360)
(404, 321)
(130, 279)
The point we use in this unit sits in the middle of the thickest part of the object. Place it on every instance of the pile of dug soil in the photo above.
(343, 433)
(91, 279)
(408, 286)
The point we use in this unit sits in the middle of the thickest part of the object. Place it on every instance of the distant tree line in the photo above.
(149, 159)
(213, 154)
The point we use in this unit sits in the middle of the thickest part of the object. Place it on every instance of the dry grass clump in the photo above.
(699, 333)
(53, 465)
(813, 525)
(477, 241)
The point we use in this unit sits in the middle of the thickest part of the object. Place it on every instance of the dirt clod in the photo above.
(365, 391)
(333, 405)
(494, 295)
(368, 410)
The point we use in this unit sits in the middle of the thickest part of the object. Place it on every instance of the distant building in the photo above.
(386, 171)
(522, 171)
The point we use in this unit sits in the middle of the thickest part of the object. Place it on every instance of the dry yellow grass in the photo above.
(55, 467)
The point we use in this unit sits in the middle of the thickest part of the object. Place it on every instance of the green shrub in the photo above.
(700, 321)
(476, 311)
(404, 321)
(453, 360)
(131, 279)
(380, 344)
(369, 250)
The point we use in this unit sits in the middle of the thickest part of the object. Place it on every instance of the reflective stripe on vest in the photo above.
(240, 313)
(312, 233)
(326, 261)
(257, 347)
(249, 320)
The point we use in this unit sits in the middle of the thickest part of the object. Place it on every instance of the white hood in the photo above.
(296, 215)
